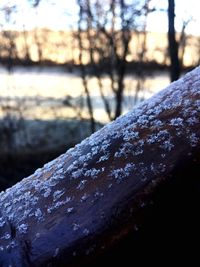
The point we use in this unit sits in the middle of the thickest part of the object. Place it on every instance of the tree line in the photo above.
(100, 44)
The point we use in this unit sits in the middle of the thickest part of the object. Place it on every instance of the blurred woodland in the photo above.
(108, 44)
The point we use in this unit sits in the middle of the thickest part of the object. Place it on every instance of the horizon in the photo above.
(73, 30)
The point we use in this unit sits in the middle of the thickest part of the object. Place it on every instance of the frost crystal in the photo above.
(104, 157)
(77, 174)
(157, 123)
(84, 197)
(22, 228)
(98, 194)
(86, 231)
(81, 185)
(121, 173)
(58, 204)
(167, 145)
(109, 186)
(129, 167)
(6, 236)
(95, 150)
(158, 168)
(70, 210)
(47, 192)
(192, 121)
(130, 135)
(38, 214)
(56, 252)
(193, 140)
(93, 172)
(57, 194)
(75, 226)
(176, 122)
(2, 222)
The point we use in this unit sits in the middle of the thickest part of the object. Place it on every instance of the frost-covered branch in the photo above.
(83, 202)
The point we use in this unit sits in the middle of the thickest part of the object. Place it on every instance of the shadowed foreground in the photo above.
(91, 199)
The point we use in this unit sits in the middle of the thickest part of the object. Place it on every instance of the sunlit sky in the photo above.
(52, 14)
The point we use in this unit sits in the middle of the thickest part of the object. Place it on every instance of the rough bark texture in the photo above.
(85, 201)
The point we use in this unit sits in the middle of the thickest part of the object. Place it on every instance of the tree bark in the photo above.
(85, 201)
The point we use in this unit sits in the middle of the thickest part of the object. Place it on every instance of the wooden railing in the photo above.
(88, 199)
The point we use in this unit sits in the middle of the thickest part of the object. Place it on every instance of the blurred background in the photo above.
(69, 67)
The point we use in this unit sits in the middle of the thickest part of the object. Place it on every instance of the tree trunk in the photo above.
(83, 70)
(85, 201)
(173, 45)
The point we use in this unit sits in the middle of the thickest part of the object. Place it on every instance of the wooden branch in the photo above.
(89, 198)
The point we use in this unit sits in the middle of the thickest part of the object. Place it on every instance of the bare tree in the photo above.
(183, 39)
(107, 29)
(140, 73)
(8, 46)
(26, 44)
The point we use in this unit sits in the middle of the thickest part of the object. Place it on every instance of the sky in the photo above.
(52, 14)
(185, 9)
